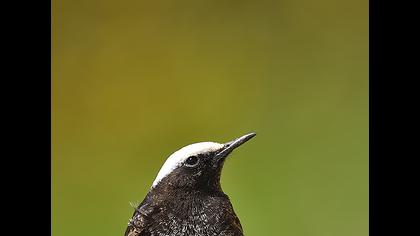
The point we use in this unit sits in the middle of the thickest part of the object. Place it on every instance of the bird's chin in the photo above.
(219, 162)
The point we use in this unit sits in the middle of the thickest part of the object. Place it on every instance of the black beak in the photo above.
(230, 146)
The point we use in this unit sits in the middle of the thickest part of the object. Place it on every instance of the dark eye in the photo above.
(191, 161)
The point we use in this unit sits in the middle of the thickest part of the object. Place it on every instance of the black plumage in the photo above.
(189, 200)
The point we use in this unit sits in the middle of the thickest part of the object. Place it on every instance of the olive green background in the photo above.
(133, 81)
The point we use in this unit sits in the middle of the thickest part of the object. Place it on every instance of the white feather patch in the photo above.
(178, 157)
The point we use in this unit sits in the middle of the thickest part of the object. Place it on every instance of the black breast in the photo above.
(185, 214)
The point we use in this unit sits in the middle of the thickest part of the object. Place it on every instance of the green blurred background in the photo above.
(133, 81)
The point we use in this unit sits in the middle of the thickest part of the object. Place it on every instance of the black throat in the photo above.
(175, 211)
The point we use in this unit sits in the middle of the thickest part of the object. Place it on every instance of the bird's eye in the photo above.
(191, 161)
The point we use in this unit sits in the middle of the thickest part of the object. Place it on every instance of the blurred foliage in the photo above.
(133, 81)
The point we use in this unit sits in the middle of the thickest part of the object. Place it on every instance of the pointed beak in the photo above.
(230, 146)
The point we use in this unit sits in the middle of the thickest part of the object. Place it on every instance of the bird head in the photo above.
(196, 167)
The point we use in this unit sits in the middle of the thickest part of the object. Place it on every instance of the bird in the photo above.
(186, 197)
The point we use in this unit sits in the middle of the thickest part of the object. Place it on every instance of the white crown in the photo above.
(178, 157)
